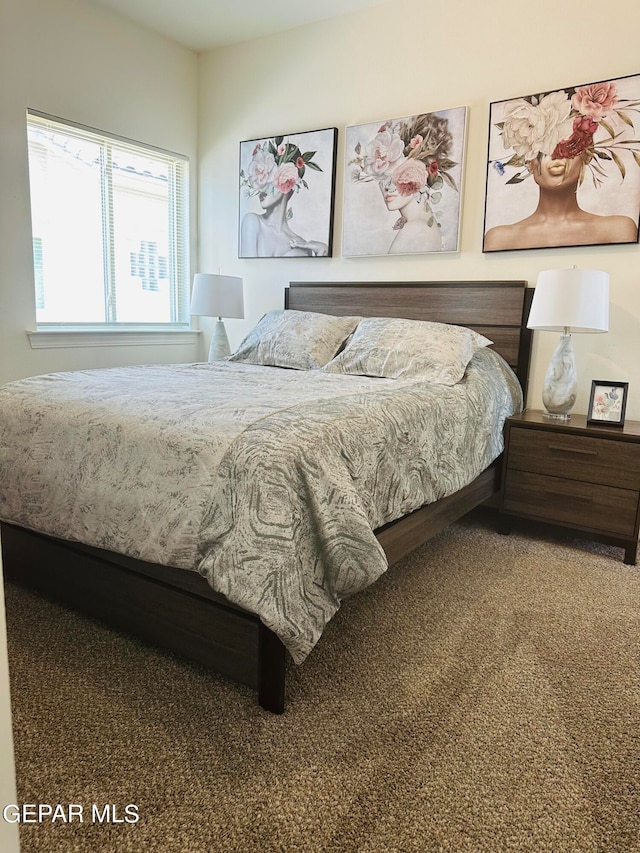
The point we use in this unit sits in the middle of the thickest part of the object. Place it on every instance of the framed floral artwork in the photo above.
(287, 190)
(607, 403)
(564, 167)
(403, 184)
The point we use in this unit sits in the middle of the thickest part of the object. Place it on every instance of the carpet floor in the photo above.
(483, 696)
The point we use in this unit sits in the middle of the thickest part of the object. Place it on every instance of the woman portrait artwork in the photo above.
(564, 168)
(403, 184)
(273, 173)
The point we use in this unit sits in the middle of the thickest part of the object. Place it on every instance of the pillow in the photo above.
(302, 340)
(404, 349)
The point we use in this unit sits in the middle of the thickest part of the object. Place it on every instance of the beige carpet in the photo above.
(483, 696)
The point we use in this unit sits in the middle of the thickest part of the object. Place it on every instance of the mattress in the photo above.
(268, 482)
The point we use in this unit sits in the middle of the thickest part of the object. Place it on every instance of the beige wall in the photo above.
(404, 57)
(78, 61)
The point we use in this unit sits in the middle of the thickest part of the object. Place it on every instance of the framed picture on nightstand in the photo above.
(607, 403)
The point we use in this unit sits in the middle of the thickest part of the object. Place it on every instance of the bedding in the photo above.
(268, 482)
(394, 348)
(300, 340)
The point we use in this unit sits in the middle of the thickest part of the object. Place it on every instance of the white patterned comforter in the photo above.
(268, 482)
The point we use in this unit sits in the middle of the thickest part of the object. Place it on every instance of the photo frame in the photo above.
(287, 192)
(607, 403)
(403, 184)
(580, 143)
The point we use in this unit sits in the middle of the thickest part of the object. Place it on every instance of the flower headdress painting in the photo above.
(287, 188)
(564, 167)
(403, 184)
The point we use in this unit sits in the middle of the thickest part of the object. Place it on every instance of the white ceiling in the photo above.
(204, 24)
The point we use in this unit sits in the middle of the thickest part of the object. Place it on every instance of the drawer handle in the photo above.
(573, 450)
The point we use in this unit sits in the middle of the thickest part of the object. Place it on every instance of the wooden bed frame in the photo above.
(176, 609)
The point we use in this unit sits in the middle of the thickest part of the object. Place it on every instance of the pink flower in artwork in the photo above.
(585, 124)
(582, 138)
(281, 149)
(286, 178)
(410, 177)
(416, 141)
(595, 100)
(433, 168)
(299, 163)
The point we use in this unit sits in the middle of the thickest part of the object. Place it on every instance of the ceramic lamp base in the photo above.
(561, 381)
(219, 348)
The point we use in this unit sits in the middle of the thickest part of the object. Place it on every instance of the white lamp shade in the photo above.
(217, 296)
(573, 299)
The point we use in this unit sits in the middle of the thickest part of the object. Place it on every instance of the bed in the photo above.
(179, 609)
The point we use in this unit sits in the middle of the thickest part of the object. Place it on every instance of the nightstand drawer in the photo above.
(577, 457)
(597, 507)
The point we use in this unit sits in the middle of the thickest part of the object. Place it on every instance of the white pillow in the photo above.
(302, 340)
(401, 349)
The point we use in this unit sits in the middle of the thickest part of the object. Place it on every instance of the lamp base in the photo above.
(561, 381)
(219, 348)
(556, 416)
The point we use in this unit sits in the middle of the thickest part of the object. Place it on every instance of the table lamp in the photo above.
(217, 296)
(567, 301)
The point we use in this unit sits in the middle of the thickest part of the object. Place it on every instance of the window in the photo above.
(109, 221)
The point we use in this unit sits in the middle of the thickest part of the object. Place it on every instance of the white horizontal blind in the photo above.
(110, 229)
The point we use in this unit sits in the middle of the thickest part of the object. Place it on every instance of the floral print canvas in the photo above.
(403, 184)
(287, 188)
(564, 167)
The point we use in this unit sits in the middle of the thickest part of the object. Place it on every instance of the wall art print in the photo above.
(287, 189)
(403, 184)
(564, 167)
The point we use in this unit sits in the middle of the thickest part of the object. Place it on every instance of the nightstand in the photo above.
(575, 475)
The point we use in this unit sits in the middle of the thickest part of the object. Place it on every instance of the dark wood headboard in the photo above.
(497, 309)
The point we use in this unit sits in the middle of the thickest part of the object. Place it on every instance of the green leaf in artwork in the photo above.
(636, 157)
(608, 128)
(278, 140)
(449, 180)
(517, 160)
(435, 181)
(619, 164)
(436, 198)
(597, 168)
(308, 155)
(292, 152)
(314, 166)
(625, 118)
(516, 179)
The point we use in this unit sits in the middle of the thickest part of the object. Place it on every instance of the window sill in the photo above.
(50, 339)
